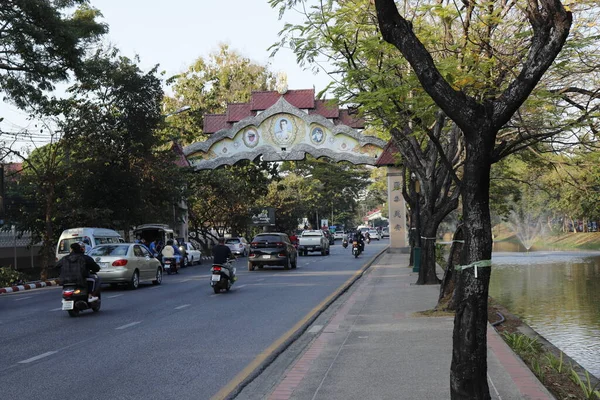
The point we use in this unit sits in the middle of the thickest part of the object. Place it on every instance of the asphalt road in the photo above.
(177, 340)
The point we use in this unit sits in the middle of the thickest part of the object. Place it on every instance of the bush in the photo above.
(9, 276)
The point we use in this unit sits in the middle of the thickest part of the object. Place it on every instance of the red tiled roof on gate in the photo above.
(180, 159)
(238, 111)
(351, 120)
(304, 98)
(215, 122)
(389, 155)
(326, 108)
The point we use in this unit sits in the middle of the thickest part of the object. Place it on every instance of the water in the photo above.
(558, 295)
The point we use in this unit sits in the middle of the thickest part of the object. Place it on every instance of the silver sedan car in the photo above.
(128, 263)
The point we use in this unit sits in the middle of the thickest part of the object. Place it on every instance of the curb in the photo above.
(29, 286)
(227, 393)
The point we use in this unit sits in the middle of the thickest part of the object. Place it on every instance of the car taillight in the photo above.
(68, 293)
(119, 263)
(216, 268)
(281, 254)
(252, 255)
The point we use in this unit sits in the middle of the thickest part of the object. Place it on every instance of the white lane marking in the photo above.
(24, 298)
(56, 309)
(185, 280)
(315, 329)
(154, 287)
(116, 295)
(183, 306)
(240, 286)
(32, 359)
(494, 386)
(129, 325)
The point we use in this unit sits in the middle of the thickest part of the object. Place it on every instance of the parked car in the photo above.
(272, 249)
(374, 234)
(128, 263)
(313, 240)
(190, 253)
(385, 232)
(238, 246)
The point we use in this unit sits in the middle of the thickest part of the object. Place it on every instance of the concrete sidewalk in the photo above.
(375, 348)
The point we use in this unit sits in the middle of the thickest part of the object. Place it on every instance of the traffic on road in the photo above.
(176, 339)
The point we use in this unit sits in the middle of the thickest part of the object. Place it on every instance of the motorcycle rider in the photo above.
(221, 256)
(86, 264)
(171, 251)
(358, 236)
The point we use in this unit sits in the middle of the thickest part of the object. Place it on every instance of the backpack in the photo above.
(74, 271)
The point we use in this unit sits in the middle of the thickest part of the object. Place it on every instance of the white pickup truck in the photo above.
(311, 241)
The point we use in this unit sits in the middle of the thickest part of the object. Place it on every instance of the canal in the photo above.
(558, 295)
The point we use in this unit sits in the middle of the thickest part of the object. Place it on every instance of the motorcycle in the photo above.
(368, 240)
(75, 299)
(355, 248)
(345, 242)
(170, 265)
(220, 279)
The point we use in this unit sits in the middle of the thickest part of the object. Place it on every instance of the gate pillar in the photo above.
(397, 212)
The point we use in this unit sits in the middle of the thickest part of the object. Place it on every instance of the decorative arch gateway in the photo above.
(285, 127)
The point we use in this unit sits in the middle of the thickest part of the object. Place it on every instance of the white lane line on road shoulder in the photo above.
(315, 329)
(23, 298)
(56, 309)
(116, 295)
(129, 325)
(185, 280)
(183, 306)
(240, 286)
(32, 359)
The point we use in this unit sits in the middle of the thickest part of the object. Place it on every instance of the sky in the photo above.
(174, 33)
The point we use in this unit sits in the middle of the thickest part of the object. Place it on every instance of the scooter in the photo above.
(76, 299)
(170, 265)
(355, 248)
(345, 242)
(368, 240)
(220, 279)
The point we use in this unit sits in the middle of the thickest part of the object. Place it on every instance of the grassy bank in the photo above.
(563, 241)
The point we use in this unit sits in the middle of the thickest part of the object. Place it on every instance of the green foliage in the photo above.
(523, 345)
(556, 363)
(589, 391)
(9, 276)
(208, 86)
(41, 42)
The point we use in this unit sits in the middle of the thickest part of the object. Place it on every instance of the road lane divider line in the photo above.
(39, 357)
(129, 325)
(56, 309)
(185, 280)
(23, 298)
(261, 361)
(116, 295)
(183, 306)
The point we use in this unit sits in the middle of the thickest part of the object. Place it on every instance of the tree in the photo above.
(368, 75)
(40, 44)
(208, 86)
(480, 113)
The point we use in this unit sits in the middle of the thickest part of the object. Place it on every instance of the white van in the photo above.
(95, 237)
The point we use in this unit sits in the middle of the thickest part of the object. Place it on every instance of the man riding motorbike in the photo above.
(221, 256)
(84, 264)
(358, 236)
(171, 251)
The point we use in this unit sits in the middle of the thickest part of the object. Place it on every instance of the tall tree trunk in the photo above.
(468, 372)
(427, 270)
(447, 299)
(48, 241)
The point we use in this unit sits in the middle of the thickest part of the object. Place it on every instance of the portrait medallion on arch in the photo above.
(317, 134)
(283, 129)
(251, 137)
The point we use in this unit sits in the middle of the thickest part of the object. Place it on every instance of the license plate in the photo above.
(309, 248)
(103, 265)
(68, 305)
(267, 256)
(215, 278)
